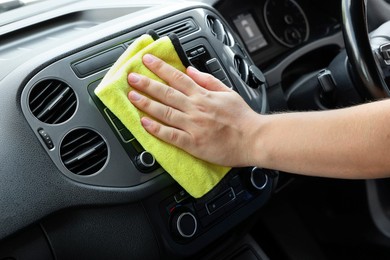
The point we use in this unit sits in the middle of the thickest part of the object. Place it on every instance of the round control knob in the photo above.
(259, 179)
(256, 77)
(145, 161)
(184, 225)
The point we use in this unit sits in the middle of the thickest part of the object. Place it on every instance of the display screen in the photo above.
(250, 32)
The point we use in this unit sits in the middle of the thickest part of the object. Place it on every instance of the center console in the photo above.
(186, 225)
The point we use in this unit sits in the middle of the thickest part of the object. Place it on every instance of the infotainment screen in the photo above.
(250, 32)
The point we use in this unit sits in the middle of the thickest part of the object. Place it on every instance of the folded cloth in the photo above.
(136, 46)
(196, 176)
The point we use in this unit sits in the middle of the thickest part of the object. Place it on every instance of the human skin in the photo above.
(199, 114)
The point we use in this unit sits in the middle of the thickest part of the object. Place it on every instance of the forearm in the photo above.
(344, 143)
(194, 113)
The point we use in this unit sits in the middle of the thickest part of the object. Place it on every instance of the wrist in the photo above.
(254, 141)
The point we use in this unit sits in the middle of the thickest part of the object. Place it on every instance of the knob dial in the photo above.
(259, 179)
(184, 224)
(145, 161)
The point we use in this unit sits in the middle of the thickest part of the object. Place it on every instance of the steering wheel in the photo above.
(370, 62)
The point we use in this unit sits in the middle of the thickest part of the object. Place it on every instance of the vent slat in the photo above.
(75, 140)
(42, 93)
(91, 167)
(62, 111)
(78, 145)
(175, 29)
(52, 101)
(46, 97)
(66, 112)
(180, 29)
(51, 104)
(83, 152)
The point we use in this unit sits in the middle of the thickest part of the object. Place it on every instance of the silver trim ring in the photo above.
(179, 228)
(143, 162)
(253, 181)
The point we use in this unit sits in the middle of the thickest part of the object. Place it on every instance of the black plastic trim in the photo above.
(179, 49)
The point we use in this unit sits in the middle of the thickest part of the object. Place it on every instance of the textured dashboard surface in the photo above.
(32, 186)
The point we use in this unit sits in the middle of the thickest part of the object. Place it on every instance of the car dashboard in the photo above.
(296, 38)
(74, 182)
(280, 27)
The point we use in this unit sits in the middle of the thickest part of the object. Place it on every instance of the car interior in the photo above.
(76, 184)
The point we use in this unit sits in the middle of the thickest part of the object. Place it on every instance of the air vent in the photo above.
(181, 28)
(242, 68)
(52, 101)
(83, 152)
(219, 30)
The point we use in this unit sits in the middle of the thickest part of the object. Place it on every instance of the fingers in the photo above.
(166, 114)
(172, 105)
(168, 134)
(206, 80)
(158, 91)
(179, 80)
(171, 75)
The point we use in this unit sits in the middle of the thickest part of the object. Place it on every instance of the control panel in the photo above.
(201, 59)
(187, 218)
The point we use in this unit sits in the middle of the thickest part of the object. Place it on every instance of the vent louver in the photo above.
(181, 28)
(52, 101)
(219, 30)
(83, 152)
(241, 68)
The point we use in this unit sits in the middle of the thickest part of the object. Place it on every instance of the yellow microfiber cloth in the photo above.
(196, 176)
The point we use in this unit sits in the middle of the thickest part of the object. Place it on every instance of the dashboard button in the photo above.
(46, 139)
(227, 83)
(213, 65)
(180, 196)
(259, 179)
(219, 74)
(184, 224)
(201, 50)
(221, 201)
(126, 134)
(145, 161)
(256, 77)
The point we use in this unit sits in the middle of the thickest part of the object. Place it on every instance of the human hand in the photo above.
(196, 113)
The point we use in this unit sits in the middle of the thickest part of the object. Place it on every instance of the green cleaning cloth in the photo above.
(196, 176)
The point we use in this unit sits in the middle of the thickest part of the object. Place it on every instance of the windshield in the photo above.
(6, 5)
(12, 11)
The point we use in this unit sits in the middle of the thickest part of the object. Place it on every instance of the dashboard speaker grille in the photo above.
(219, 30)
(181, 28)
(83, 152)
(52, 101)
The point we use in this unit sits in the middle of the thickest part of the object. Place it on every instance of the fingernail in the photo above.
(149, 58)
(134, 78)
(134, 96)
(192, 69)
(146, 122)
